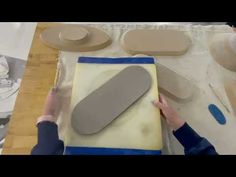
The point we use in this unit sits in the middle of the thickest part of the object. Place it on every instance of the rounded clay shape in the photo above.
(223, 50)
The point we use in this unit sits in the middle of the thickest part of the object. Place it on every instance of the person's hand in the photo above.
(170, 115)
(50, 103)
(49, 107)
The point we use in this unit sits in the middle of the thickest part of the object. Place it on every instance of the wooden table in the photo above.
(37, 80)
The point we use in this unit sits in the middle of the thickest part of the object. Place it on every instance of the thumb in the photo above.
(158, 104)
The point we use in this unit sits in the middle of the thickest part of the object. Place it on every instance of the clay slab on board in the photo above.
(230, 88)
(75, 38)
(174, 85)
(155, 42)
(75, 35)
(223, 50)
(107, 102)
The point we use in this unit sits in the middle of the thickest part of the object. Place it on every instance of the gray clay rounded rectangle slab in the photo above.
(106, 103)
(174, 85)
(155, 42)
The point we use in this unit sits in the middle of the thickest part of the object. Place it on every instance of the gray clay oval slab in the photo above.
(155, 42)
(106, 103)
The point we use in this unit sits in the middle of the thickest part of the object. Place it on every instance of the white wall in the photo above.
(16, 39)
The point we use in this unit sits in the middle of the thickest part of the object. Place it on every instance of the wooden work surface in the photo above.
(37, 80)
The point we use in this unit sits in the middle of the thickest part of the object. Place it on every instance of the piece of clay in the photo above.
(75, 38)
(218, 96)
(230, 88)
(106, 103)
(223, 50)
(174, 85)
(155, 42)
(74, 35)
(140, 55)
(217, 114)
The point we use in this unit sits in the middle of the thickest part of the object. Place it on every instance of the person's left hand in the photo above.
(171, 116)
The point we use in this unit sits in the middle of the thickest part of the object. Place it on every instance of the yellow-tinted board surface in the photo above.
(137, 128)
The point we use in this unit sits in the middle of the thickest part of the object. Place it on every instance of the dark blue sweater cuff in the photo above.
(187, 136)
(48, 140)
(47, 132)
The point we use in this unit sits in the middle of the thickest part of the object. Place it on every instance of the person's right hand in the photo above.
(50, 103)
(170, 115)
(49, 107)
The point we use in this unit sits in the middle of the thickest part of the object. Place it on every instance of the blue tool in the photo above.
(217, 114)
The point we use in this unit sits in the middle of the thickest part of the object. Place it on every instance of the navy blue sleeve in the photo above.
(193, 143)
(232, 24)
(48, 140)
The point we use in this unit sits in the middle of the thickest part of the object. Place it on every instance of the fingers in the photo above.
(53, 91)
(163, 100)
(158, 104)
(49, 107)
